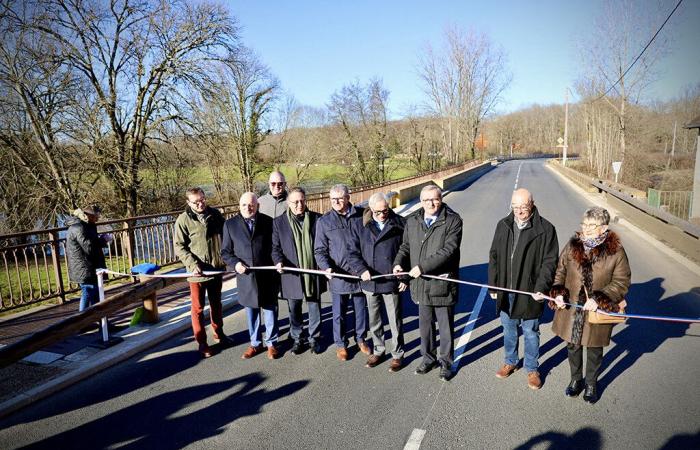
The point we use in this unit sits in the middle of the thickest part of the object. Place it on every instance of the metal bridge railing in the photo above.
(678, 203)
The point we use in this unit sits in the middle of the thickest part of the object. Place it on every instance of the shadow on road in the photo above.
(585, 438)
(161, 421)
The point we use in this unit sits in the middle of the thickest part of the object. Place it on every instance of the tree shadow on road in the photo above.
(161, 421)
(585, 438)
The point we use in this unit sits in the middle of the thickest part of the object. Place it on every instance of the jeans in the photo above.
(340, 307)
(89, 296)
(531, 336)
(296, 318)
(269, 316)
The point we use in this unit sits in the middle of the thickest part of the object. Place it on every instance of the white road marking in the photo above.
(468, 328)
(415, 439)
(517, 177)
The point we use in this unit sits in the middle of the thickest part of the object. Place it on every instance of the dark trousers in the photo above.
(296, 318)
(340, 318)
(594, 357)
(212, 289)
(445, 316)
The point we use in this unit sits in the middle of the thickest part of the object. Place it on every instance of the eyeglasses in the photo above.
(381, 212)
(337, 199)
(590, 225)
(521, 207)
(281, 183)
(297, 202)
(431, 200)
(199, 201)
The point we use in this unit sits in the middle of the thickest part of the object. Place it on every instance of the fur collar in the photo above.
(609, 247)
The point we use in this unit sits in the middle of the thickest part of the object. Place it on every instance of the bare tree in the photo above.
(135, 57)
(464, 81)
(620, 31)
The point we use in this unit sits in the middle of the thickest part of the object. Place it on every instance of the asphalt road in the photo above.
(169, 398)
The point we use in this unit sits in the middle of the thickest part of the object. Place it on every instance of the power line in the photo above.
(641, 53)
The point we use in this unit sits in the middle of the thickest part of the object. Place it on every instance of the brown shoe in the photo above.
(272, 352)
(341, 353)
(373, 360)
(395, 365)
(252, 351)
(364, 348)
(205, 351)
(506, 371)
(533, 380)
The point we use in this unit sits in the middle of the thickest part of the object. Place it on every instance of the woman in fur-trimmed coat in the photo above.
(593, 271)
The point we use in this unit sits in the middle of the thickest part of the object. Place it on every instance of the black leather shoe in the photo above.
(590, 395)
(297, 348)
(316, 348)
(574, 388)
(445, 373)
(224, 340)
(425, 368)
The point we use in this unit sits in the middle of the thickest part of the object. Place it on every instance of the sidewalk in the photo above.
(55, 367)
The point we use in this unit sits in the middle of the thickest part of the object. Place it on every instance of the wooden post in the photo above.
(57, 272)
(150, 305)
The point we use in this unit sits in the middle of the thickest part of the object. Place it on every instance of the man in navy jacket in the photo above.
(374, 242)
(248, 242)
(331, 251)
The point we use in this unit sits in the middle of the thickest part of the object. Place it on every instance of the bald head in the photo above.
(248, 205)
(277, 183)
(522, 203)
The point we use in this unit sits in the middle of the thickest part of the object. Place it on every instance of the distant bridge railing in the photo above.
(678, 203)
(33, 266)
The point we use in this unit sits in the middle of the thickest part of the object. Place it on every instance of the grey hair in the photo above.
(341, 188)
(297, 189)
(376, 198)
(600, 215)
(431, 187)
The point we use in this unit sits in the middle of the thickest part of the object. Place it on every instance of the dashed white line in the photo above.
(415, 439)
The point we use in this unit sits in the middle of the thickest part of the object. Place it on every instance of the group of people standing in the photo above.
(279, 230)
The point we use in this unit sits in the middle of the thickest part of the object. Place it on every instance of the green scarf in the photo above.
(305, 250)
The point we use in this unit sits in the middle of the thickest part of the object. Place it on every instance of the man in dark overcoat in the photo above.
(523, 256)
(375, 239)
(248, 242)
(293, 236)
(430, 246)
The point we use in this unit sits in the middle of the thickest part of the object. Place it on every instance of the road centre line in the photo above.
(468, 328)
(415, 439)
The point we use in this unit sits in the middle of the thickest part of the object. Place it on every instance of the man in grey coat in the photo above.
(430, 245)
(274, 203)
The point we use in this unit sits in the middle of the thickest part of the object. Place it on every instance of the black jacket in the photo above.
(84, 252)
(436, 251)
(533, 264)
(374, 250)
(255, 288)
(331, 247)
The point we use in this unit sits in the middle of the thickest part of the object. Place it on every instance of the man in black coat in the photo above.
(523, 256)
(430, 246)
(293, 236)
(84, 253)
(248, 242)
(374, 241)
(331, 252)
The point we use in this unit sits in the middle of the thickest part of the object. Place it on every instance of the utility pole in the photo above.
(566, 128)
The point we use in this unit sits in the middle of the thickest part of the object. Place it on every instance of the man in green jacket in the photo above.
(198, 233)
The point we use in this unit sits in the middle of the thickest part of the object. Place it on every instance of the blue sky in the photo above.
(316, 47)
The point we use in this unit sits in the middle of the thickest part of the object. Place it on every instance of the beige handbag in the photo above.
(596, 318)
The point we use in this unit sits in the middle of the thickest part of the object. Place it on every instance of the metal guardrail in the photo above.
(33, 266)
(678, 203)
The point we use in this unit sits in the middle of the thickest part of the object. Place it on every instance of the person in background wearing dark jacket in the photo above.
(523, 256)
(248, 242)
(197, 243)
(331, 251)
(293, 246)
(374, 242)
(84, 253)
(430, 245)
